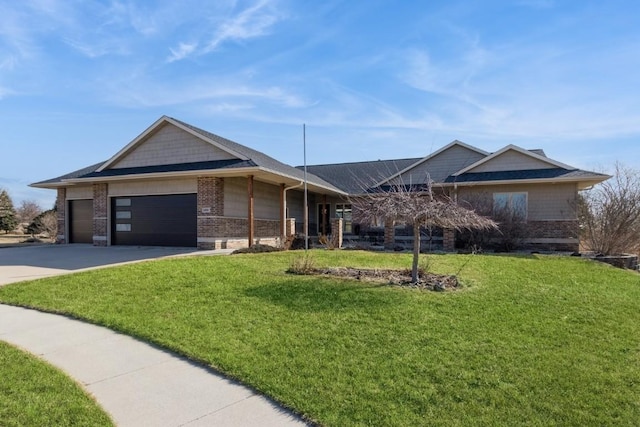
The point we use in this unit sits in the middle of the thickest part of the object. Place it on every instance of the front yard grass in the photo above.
(33, 393)
(529, 340)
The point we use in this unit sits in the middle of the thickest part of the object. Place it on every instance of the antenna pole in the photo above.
(306, 197)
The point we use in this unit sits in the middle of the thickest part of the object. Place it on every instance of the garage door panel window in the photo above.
(123, 227)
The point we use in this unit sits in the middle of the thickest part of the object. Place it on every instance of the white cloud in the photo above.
(251, 22)
(183, 50)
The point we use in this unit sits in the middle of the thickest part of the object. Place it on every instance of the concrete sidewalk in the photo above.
(136, 383)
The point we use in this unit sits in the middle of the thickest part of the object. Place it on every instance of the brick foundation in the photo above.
(100, 208)
(219, 232)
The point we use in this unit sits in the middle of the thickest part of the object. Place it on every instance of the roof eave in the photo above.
(235, 172)
(587, 182)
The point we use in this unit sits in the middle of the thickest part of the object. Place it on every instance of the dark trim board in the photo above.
(167, 220)
(81, 221)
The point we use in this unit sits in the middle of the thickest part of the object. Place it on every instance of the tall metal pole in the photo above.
(306, 197)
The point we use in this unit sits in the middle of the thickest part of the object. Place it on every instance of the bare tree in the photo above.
(609, 214)
(27, 211)
(417, 206)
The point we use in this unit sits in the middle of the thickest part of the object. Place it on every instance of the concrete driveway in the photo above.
(33, 262)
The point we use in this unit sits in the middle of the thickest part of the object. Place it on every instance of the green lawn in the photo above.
(527, 341)
(33, 393)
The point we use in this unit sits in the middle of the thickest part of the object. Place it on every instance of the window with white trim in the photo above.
(514, 204)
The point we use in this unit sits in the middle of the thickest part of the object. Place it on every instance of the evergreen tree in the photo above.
(8, 218)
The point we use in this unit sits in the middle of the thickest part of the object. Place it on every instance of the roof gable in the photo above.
(512, 158)
(169, 141)
(439, 164)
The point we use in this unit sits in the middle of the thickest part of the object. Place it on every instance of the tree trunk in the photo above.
(416, 252)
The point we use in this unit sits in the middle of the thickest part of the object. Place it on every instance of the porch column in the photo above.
(283, 213)
(389, 233)
(324, 214)
(251, 215)
(100, 209)
(336, 233)
(448, 240)
(61, 208)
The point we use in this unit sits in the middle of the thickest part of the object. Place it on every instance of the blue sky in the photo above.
(371, 80)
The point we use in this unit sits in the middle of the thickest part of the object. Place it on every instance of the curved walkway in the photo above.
(136, 383)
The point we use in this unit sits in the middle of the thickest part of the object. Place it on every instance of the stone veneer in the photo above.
(61, 208)
(100, 209)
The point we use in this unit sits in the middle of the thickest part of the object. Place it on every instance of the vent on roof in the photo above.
(539, 152)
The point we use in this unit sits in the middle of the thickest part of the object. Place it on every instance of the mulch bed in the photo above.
(428, 281)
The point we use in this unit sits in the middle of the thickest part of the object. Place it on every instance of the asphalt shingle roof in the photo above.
(523, 174)
(351, 178)
(355, 178)
(178, 167)
(260, 159)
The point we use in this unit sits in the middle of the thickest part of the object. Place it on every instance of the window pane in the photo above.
(519, 204)
(500, 201)
(123, 202)
(123, 214)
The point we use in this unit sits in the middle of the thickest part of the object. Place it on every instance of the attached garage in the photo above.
(80, 221)
(167, 220)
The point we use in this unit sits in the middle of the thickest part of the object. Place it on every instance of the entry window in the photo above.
(324, 223)
(513, 204)
(344, 211)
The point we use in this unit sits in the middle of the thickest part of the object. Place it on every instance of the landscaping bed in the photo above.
(396, 277)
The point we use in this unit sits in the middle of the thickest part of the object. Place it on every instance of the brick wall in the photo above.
(560, 235)
(100, 208)
(448, 240)
(61, 208)
(233, 233)
(210, 205)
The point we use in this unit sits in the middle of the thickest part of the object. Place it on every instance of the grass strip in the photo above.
(529, 340)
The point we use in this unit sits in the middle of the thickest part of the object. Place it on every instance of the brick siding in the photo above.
(61, 205)
(100, 208)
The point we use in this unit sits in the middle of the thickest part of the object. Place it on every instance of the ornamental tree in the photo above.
(418, 207)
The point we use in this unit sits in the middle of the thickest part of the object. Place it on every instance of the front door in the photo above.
(324, 224)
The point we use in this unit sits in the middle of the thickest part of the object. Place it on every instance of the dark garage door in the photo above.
(154, 220)
(81, 221)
